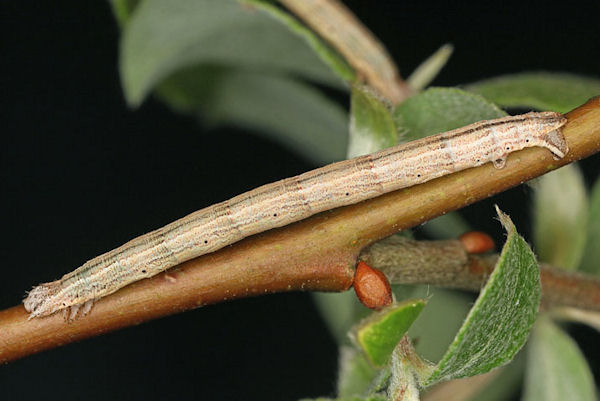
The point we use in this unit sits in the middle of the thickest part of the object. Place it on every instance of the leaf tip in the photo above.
(131, 91)
(378, 334)
(505, 220)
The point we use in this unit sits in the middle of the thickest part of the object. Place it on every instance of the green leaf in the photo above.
(371, 125)
(560, 92)
(355, 372)
(164, 37)
(380, 332)
(590, 262)
(441, 109)
(556, 368)
(290, 111)
(436, 327)
(430, 68)
(560, 209)
(500, 321)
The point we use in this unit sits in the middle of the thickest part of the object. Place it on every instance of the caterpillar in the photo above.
(295, 198)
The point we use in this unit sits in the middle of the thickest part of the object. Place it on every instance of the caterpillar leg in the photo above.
(74, 312)
(87, 307)
(70, 313)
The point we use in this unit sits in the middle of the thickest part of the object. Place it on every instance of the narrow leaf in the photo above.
(290, 111)
(590, 262)
(163, 37)
(441, 109)
(560, 209)
(430, 68)
(560, 92)
(556, 368)
(379, 334)
(371, 125)
(500, 321)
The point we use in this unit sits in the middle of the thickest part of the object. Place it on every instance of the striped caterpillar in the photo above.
(292, 199)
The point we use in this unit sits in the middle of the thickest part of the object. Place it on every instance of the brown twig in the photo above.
(316, 254)
(333, 21)
(447, 264)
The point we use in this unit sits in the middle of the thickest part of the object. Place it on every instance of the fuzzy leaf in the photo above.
(560, 211)
(500, 321)
(590, 262)
(560, 92)
(441, 109)
(556, 369)
(371, 125)
(379, 334)
(163, 37)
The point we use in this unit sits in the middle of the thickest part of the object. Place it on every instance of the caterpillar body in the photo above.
(292, 199)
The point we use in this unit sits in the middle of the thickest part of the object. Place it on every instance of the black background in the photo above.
(81, 174)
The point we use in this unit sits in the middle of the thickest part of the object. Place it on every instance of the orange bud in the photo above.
(372, 287)
(476, 242)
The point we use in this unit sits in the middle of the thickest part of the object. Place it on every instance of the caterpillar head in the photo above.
(555, 142)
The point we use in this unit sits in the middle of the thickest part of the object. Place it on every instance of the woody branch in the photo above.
(316, 254)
